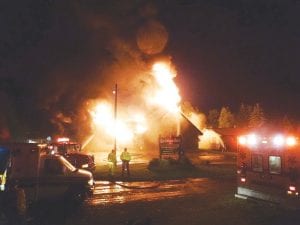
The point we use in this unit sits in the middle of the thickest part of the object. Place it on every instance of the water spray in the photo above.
(87, 141)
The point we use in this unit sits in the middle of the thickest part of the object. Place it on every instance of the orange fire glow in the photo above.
(131, 125)
(167, 94)
(124, 129)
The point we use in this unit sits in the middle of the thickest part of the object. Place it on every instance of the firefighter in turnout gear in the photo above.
(112, 162)
(125, 157)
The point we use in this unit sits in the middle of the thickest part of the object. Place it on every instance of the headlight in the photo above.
(278, 140)
(249, 140)
(85, 165)
(252, 140)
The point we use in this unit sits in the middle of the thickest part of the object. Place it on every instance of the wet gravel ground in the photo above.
(188, 201)
(163, 204)
(111, 193)
(214, 205)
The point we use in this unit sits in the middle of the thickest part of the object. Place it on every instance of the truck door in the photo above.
(52, 180)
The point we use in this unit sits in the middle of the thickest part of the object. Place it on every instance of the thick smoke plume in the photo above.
(76, 55)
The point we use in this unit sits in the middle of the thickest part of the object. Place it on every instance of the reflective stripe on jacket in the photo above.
(125, 156)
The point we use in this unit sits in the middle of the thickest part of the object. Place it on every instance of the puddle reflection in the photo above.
(107, 192)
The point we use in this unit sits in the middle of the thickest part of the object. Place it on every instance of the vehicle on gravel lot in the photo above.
(44, 176)
(72, 151)
(268, 165)
(81, 160)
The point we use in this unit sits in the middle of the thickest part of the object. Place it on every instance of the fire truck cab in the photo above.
(268, 167)
(72, 151)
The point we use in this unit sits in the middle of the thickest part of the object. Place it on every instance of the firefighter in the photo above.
(112, 162)
(125, 157)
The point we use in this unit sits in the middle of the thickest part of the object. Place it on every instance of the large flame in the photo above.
(167, 94)
(124, 128)
(129, 126)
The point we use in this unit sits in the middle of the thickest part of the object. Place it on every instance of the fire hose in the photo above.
(135, 186)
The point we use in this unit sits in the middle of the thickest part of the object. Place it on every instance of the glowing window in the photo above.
(275, 164)
(257, 163)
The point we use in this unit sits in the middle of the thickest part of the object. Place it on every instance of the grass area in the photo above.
(138, 172)
(165, 169)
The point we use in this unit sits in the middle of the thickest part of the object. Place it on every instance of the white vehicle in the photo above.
(44, 176)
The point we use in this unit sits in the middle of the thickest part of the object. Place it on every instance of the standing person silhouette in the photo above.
(112, 162)
(125, 158)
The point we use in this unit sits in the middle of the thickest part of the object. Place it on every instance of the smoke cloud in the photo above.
(76, 55)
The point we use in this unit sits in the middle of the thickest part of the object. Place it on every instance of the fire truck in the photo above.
(268, 167)
(72, 151)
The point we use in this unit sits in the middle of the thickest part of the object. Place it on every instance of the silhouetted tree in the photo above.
(257, 116)
(243, 115)
(226, 118)
(213, 117)
(287, 124)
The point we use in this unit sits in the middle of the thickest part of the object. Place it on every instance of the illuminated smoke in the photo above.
(87, 48)
(152, 37)
(210, 140)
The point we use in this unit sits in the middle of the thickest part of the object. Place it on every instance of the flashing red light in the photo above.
(292, 188)
(250, 140)
(243, 179)
(63, 139)
(292, 191)
(291, 141)
(278, 141)
(242, 140)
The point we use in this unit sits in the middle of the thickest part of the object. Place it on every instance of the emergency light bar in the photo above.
(63, 139)
(278, 140)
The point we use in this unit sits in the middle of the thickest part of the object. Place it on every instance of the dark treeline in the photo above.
(248, 116)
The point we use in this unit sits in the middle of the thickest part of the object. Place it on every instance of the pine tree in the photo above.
(286, 124)
(243, 115)
(226, 118)
(257, 117)
(212, 119)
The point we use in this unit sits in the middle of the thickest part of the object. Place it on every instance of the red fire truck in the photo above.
(268, 167)
(72, 151)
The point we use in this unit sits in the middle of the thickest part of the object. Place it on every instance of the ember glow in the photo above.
(124, 129)
(167, 93)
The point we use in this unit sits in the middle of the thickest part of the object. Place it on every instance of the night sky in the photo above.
(57, 54)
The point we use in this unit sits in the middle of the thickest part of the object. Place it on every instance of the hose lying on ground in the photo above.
(135, 187)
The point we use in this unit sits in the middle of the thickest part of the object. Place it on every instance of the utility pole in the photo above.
(115, 116)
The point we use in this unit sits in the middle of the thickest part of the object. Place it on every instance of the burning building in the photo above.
(87, 49)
